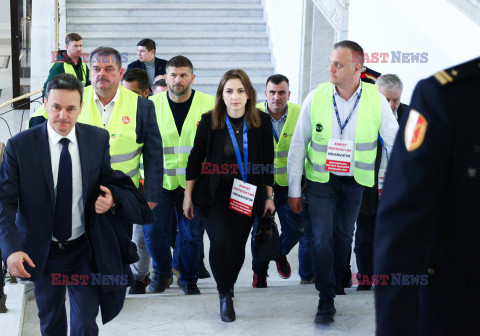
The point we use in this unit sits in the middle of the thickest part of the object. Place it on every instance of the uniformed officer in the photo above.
(427, 229)
(336, 141)
(179, 110)
(284, 115)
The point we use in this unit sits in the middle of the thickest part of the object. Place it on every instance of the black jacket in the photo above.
(159, 66)
(370, 195)
(110, 236)
(209, 146)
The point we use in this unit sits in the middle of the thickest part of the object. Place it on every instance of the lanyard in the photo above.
(383, 145)
(243, 168)
(275, 135)
(348, 118)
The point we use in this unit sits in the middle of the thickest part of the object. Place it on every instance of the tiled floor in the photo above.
(285, 308)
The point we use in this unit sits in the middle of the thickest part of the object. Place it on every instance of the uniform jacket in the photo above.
(428, 221)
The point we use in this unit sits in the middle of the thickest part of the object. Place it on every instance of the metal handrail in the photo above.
(20, 98)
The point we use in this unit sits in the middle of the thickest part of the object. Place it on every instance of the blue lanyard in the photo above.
(383, 145)
(243, 168)
(275, 135)
(348, 118)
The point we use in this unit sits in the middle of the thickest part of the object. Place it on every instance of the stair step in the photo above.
(207, 42)
(165, 28)
(154, 15)
(196, 57)
(239, 20)
(148, 2)
(182, 50)
(170, 5)
(173, 35)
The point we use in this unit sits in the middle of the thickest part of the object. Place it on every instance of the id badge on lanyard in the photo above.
(243, 193)
(381, 180)
(339, 155)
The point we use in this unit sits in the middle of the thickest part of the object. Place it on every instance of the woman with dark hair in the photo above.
(229, 170)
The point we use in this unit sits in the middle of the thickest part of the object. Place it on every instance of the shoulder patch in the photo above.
(415, 130)
(443, 77)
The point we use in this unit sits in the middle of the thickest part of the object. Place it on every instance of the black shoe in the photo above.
(283, 267)
(227, 313)
(339, 290)
(259, 281)
(191, 289)
(364, 287)
(202, 272)
(325, 311)
(139, 286)
(3, 307)
(158, 283)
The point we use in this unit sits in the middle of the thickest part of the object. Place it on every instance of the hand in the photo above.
(15, 264)
(104, 203)
(296, 204)
(188, 207)
(269, 206)
(152, 205)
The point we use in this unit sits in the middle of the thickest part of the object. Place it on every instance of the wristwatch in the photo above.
(270, 197)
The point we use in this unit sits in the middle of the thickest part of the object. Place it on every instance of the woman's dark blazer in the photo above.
(209, 146)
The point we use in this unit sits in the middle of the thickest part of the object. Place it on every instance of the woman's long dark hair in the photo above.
(219, 113)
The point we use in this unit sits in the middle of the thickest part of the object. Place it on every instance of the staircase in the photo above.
(214, 34)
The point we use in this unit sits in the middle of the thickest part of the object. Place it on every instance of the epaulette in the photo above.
(458, 72)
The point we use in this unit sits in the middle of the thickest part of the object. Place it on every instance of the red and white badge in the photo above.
(339, 155)
(242, 197)
(415, 130)
(125, 120)
(381, 180)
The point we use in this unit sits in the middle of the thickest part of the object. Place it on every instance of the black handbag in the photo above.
(267, 239)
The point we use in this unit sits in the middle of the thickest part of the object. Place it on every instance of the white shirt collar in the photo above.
(54, 137)
(97, 99)
(356, 93)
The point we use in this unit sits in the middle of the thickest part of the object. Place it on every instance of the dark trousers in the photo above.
(364, 243)
(333, 208)
(50, 294)
(228, 232)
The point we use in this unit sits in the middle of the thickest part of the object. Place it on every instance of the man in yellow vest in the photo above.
(335, 141)
(179, 110)
(70, 60)
(131, 122)
(284, 116)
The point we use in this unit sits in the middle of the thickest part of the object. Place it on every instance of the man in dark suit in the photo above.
(426, 237)
(51, 176)
(147, 61)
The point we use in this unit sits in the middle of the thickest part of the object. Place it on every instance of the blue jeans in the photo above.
(189, 239)
(305, 257)
(291, 224)
(333, 208)
(50, 297)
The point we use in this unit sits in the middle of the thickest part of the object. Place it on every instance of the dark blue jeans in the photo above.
(291, 224)
(305, 257)
(189, 239)
(364, 243)
(50, 296)
(333, 208)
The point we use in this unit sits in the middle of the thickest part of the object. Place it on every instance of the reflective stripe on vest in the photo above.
(366, 134)
(176, 148)
(68, 68)
(283, 145)
(125, 152)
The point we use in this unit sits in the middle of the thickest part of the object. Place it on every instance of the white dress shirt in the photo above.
(303, 134)
(106, 110)
(78, 215)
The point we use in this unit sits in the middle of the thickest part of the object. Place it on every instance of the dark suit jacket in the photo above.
(209, 146)
(27, 198)
(159, 66)
(428, 220)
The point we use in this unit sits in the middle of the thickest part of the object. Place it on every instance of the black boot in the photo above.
(325, 312)
(227, 313)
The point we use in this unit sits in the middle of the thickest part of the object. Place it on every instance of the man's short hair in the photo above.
(106, 51)
(148, 44)
(64, 81)
(161, 82)
(357, 50)
(179, 62)
(277, 79)
(137, 75)
(390, 81)
(72, 37)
